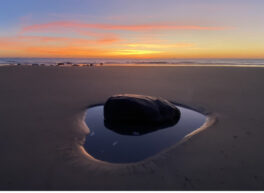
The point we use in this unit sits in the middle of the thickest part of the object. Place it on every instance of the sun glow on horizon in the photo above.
(176, 30)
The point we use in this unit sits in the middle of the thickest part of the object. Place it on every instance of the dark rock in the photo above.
(60, 64)
(127, 114)
(35, 64)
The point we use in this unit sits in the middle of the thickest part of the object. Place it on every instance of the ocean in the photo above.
(101, 61)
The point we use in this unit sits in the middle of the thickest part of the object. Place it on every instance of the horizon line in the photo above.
(136, 58)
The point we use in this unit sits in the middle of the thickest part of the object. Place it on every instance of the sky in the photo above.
(132, 28)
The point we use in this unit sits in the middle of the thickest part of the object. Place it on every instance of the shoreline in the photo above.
(143, 65)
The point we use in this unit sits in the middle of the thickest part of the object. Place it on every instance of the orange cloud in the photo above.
(42, 51)
(65, 40)
(90, 33)
(108, 40)
(135, 52)
(44, 47)
(33, 48)
(79, 25)
(166, 46)
(101, 37)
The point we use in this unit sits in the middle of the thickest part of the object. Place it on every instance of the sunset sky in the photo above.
(132, 28)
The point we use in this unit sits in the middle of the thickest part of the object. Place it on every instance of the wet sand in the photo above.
(42, 128)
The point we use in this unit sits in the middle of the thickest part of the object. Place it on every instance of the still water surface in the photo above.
(107, 145)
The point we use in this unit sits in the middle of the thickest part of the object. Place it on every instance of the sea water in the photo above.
(71, 61)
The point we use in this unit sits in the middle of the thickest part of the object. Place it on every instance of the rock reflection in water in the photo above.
(120, 144)
(124, 128)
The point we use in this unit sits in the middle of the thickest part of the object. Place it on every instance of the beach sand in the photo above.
(42, 128)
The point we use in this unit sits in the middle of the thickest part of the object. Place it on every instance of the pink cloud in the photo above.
(79, 41)
(148, 27)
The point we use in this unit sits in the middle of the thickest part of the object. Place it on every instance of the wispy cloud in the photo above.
(66, 40)
(135, 52)
(44, 46)
(94, 40)
(147, 27)
(23, 42)
(166, 46)
(49, 47)
(39, 46)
